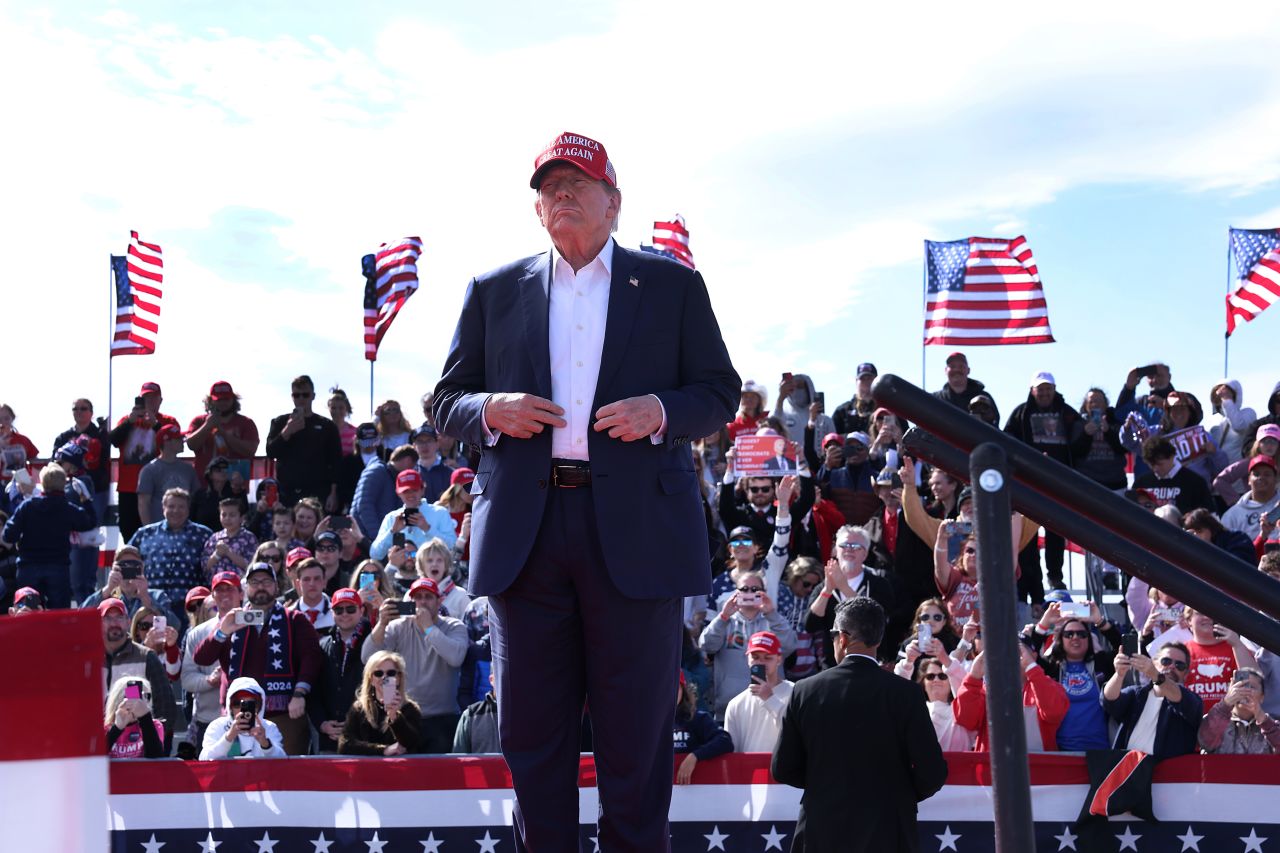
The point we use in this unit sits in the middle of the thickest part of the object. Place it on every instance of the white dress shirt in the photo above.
(575, 337)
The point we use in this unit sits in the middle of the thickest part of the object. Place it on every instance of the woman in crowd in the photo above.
(382, 720)
(132, 731)
(340, 414)
(886, 431)
(1233, 481)
(270, 552)
(792, 585)
(931, 675)
(1204, 524)
(374, 585)
(1043, 700)
(696, 734)
(162, 641)
(457, 500)
(744, 556)
(202, 684)
(435, 560)
(1229, 420)
(306, 517)
(16, 450)
(394, 428)
(751, 411)
(1164, 613)
(933, 613)
(1081, 664)
(1105, 459)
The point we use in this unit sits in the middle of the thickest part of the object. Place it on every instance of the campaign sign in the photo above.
(763, 456)
(1191, 443)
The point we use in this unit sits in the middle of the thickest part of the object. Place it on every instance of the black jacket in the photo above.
(858, 740)
(874, 586)
(1056, 431)
(962, 400)
(362, 736)
(339, 681)
(1176, 726)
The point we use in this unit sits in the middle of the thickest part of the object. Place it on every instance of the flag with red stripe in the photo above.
(138, 278)
(672, 238)
(390, 278)
(984, 291)
(1257, 254)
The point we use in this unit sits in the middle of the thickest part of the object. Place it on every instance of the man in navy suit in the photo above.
(584, 373)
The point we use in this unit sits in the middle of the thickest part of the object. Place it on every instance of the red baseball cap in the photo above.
(764, 641)
(461, 475)
(959, 355)
(167, 432)
(109, 604)
(149, 388)
(424, 583)
(345, 595)
(407, 480)
(195, 595)
(832, 438)
(1262, 459)
(22, 596)
(221, 390)
(296, 555)
(581, 151)
(225, 577)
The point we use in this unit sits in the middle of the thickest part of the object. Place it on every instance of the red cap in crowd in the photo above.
(425, 583)
(1262, 459)
(764, 641)
(581, 151)
(408, 480)
(957, 355)
(221, 390)
(832, 438)
(295, 556)
(167, 432)
(22, 597)
(109, 604)
(225, 577)
(461, 475)
(345, 595)
(149, 388)
(195, 595)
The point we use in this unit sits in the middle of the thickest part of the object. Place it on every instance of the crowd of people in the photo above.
(324, 609)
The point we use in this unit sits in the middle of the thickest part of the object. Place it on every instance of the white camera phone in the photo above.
(251, 617)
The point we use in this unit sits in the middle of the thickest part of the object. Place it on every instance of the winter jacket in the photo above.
(1223, 734)
(375, 496)
(42, 526)
(362, 736)
(1271, 417)
(962, 399)
(1229, 421)
(794, 412)
(477, 730)
(217, 746)
(1039, 691)
(1057, 431)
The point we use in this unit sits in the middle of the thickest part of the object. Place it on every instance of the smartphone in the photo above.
(368, 580)
(130, 572)
(1074, 609)
(271, 494)
(139, 403)
(786, 377)
(159, 623)
(410, 512)
(749, 599)
(1095, 415)
(1147, 370)
(923, 635)
(251, 617)
(249, 709)
(1240, 675)
(339, 522)
(390, 688)
(1272, 516)
(758, 672)
(957, 528)
(397, 539)
(821, 399)
(133, 690)
(406, 608)
(1129, 643)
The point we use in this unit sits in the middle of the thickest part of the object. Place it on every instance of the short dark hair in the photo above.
(405, 450)
(1157, 447)
(862, 619)
(303, 381)
(1202, 519)
(227, 503)
(282, 510)
(1186, 653)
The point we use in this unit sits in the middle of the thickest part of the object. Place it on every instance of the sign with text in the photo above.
(763, 456)
(1191, 443)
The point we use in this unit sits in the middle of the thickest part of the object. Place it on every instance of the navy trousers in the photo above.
(564, 637)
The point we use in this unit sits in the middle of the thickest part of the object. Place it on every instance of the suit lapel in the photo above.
(624, 303)
(535, 306)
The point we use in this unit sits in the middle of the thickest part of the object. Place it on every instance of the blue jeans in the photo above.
(84, 572)
(53, 580)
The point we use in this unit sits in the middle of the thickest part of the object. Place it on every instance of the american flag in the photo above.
(1258, 261)
(138, 278)
(390, 278)
(671, 240)
(984, 291)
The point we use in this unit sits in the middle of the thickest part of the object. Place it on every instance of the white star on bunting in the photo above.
(1066, 841)
(265, 844)
(774, 838)
(1190, 841)
(209, 845)
(1128, 840)
(152, 846)
(947, 841)
(1253, 842)
(432, 844)
(374, 845)
(488, 844)
(321, 844)
(716, 838)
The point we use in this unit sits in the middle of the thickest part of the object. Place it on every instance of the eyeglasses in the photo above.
(971, 550)
(750, 589)
(935, 676)
(936, 617)
(1180, 666)
(851, 546)
(808, 584)
(759, 490)
(129, 564)
(1075, 635)
(145, 626)
(379, 673)
(329, 547)
(740, 543)
(856, 448)
(81, 409)
(302, 395)
(273, 558)
(265, 580)
(345, 610)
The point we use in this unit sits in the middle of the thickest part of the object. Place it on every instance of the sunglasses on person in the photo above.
(851, 546)
(935, 676)
(759, 490)
(971, 550)
(129, 564)
(145, 626)
(807, 584)
(81, 409)
(302, 395)
(1180, 666)
(385, 673)
(345, 610)
(328, 547)
(750, 589)
(936, 617)
(741, 543)
(273, 558)
(1075, 635)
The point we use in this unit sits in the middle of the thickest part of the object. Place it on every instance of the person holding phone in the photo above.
(132, 730)
(135, 436)
(41, 530)
(307, 450)
(1082, 668)
(243, 731)
(753, 718)
(1260, 504)
(747, 612)
(127, 580)
(1216, 653)
(1041, 695)
(418, 521)
(125, 658)
(433, 648)
(382, 720)
(328, 704)
(1157, 716)
(1238, 725)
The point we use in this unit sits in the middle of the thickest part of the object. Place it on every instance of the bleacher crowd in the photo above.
(323, 608)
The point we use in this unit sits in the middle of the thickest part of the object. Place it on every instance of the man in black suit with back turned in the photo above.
(841, 723)
(584, 374)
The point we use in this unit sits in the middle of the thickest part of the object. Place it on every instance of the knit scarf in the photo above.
(277, 660)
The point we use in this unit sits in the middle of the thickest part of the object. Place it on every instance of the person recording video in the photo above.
(243, 732)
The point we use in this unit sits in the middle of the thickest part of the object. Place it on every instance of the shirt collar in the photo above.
(605, 259)
(868, 657)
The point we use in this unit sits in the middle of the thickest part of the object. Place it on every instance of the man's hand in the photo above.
(762, 690)
(331, 729)
(1238, 693)
(297, 707)
(228, 623)
(114, 580)
(631, 419)
(1144, 665)
(394, 749)
(1123, 663)
(294, 425)
(521, 415)
(766, 603)
(388, 612)
(832, 576)
(685, 772)
(786, 487)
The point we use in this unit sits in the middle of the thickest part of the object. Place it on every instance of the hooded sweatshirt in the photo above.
(1229, 421)
(794, 412)
(1056, 431)
(216, 744)
(1271, 417)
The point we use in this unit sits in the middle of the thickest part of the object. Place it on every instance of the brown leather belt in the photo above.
(570, 473)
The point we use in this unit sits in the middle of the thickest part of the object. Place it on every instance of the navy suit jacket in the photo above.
(661, 337)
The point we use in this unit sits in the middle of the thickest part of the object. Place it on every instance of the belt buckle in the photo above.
(555, 478)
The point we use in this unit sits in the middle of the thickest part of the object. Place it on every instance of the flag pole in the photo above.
(924, 309)
(371, 364)
(1226, 338)
(111, 334)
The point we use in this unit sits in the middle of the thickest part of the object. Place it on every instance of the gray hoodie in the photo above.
(794, 412)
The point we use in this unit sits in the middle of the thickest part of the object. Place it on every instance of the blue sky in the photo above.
(811, 152)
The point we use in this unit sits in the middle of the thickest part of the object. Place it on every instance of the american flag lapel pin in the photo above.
(633, 281)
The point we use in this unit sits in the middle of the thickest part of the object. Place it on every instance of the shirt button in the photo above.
(579, 327)
(579, 364)
(577, 402)
(578, 441)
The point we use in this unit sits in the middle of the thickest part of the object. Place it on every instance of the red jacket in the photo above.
(1038, 691)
